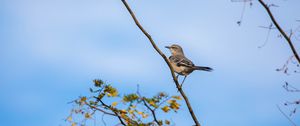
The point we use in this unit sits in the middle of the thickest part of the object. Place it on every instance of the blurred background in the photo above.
(51, 50)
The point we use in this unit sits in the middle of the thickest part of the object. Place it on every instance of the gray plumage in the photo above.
(181, 64)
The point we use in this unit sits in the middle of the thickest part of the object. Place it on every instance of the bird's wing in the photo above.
(181, 61)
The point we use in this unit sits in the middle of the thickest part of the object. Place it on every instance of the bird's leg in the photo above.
(182, 82)
(177, 76)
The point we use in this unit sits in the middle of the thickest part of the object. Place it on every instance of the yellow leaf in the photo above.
(167, 122)
(123, 111)
(83, 99)
(165, 108)
(100, 96)
(144, 115)
(152, 103)
(174, 105)
(73, 124)
(123, 116)
(176, 97)
(87, 115)
(162, 94)
(131, 111)
(114, 104)
(171, 101)
(98, 83)
(112, 94)
(140, 113)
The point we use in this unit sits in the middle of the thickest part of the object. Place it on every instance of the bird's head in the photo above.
(175, 49)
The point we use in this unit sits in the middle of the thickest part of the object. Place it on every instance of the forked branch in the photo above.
(286, 116)
(166, 60)
(286, 37)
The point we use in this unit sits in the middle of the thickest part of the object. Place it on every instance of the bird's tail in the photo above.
(203, 68)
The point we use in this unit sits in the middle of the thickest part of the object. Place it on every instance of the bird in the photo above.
(182, 65)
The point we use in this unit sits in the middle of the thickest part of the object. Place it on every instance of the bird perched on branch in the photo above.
(182, 65)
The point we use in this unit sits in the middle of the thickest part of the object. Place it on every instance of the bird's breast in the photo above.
(178, 69)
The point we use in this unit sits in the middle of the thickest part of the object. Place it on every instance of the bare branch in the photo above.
(297, 33)
(152, 111)
(284, 68)
(147, 106)
(102, 118)
(270, 27)
(286, 116)
(162, 102)
(166, 60)
(290, 88)
(287, 38)
(239, 22)
(113, 110)
(94, 107)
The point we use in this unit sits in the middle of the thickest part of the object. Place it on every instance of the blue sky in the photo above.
(51, 50)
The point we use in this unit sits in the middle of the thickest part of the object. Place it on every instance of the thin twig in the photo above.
(290, 88)
(115, 113)
(152, 111)
(284, 68)
(95, 108)
(270, 27)
(286, 116)
(109, 107)
(287, 38)
(147, 106)
(162, 102)
(166, 60)
(103, 121)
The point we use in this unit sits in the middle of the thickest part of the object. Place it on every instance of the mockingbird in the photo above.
(182, 65)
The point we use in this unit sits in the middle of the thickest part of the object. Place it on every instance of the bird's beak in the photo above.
(167, 47)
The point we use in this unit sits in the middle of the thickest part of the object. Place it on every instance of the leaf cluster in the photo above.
(130, 109)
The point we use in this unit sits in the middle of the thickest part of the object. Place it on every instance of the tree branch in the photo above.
(166, 60)
(290, 88)
(147, 106)
(116, 114)
(152, 111)
(287, 38)
(162, 102)
(286, 116)
(94, 107)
